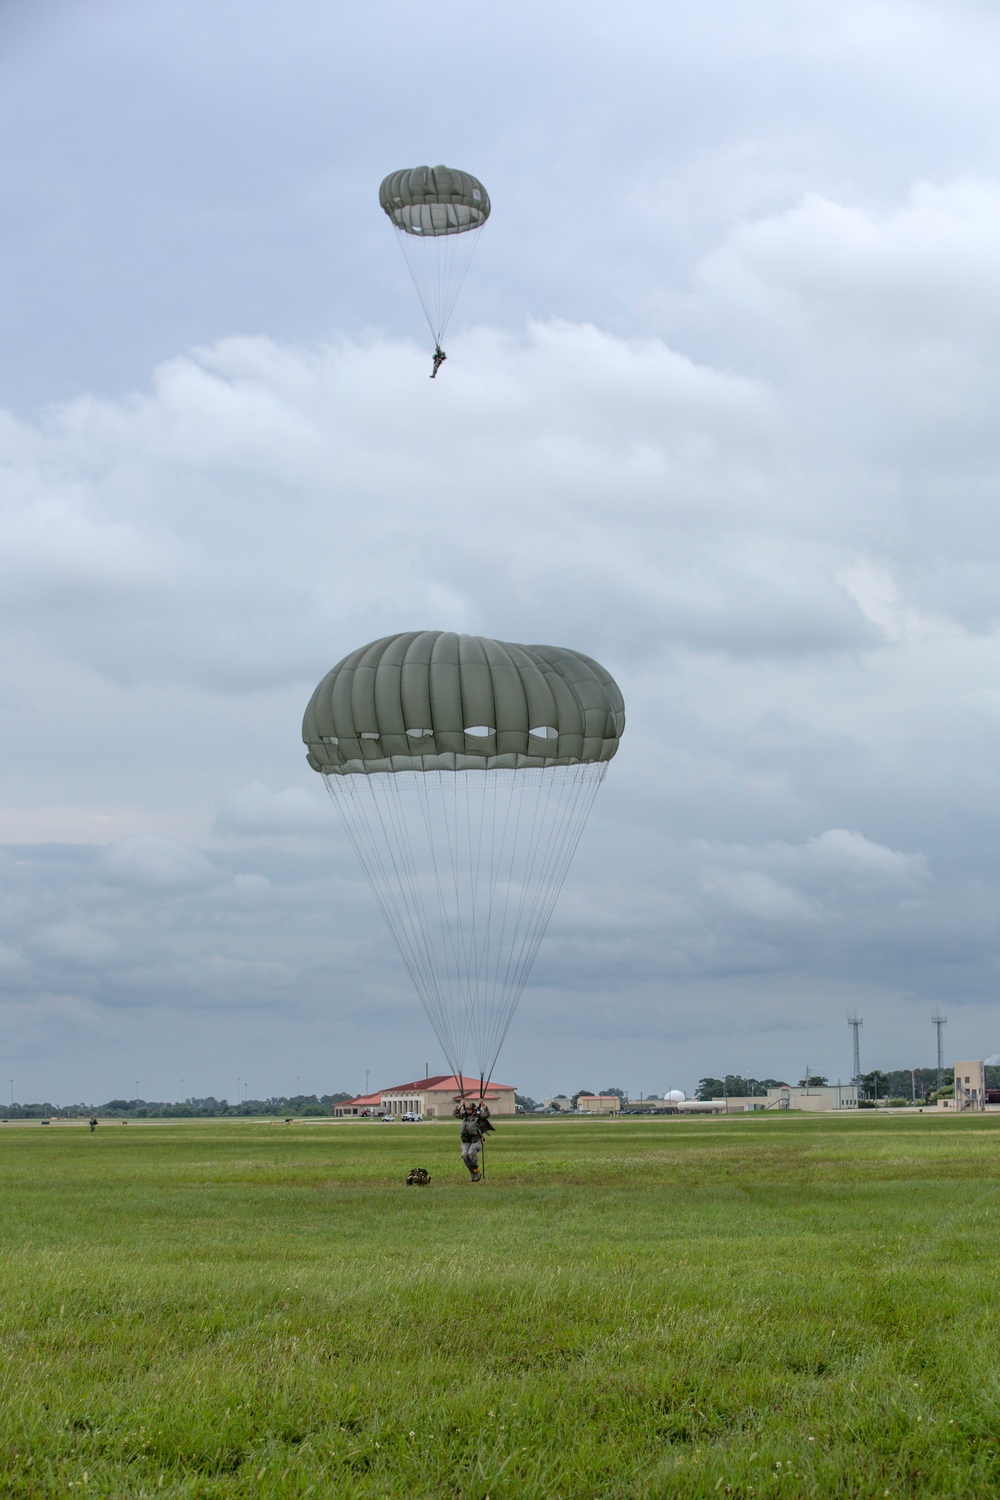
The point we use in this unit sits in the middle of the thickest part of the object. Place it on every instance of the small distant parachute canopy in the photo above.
(434, 201)
(464, 770)
(437, 211)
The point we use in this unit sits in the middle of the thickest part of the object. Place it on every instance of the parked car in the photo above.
(412, 1118)
(388, 1119)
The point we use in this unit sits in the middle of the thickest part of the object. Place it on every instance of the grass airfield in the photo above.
(780, 1306)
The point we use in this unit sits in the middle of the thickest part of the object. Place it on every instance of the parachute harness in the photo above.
(466, 867)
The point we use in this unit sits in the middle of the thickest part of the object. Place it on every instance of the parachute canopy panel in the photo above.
(434, 201)
(438, 701)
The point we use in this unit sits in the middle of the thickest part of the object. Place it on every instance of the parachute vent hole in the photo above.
(544, 732)
(368, 735)
(479, 731)
(330, 739)
(419, 734)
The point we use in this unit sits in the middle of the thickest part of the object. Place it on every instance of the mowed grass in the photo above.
(777, 1306)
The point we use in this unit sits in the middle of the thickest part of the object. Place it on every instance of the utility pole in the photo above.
(939, 1020)
(855, 1022)
(913, 1084)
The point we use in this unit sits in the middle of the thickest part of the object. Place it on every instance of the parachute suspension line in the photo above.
(498, 987)
(495, 870)
(452, 945)
(394, 892)
(438, 265)
(435, 1001)
(560, 845)
(394, 880)
(466, 867)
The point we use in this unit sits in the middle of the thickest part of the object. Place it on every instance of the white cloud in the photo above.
(925, 269)
(759, 895)
(844, 852)
(879, 600)
(77, 943)
(253, 809)
(156, 863)
(10, 959)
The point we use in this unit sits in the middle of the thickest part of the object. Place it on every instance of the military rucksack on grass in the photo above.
(419, 1176)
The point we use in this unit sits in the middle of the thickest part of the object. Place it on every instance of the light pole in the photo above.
(137, 1094)
(12, 1093)
(938, 1020)
(856, 1022)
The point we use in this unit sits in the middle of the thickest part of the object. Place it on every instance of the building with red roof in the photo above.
(365, 1104)
(433, 1097)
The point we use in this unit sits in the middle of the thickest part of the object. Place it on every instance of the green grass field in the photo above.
(778, 1306)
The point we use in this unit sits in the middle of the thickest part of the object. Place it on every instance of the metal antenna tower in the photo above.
(939, 1021)
(855, 1022)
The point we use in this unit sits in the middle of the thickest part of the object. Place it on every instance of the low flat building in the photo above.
(559, 1101)
(365, 1104)
(599, 1104)
(818, 1097)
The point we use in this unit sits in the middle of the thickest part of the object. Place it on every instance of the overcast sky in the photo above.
(720, 410)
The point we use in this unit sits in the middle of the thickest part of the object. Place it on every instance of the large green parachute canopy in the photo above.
(430, 700)
(437, 211)
(464, 770)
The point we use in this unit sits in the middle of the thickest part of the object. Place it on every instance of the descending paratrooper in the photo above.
(438, 212)
(464, 769)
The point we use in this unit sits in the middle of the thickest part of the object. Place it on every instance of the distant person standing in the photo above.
(475, 1118)
(92, 1123)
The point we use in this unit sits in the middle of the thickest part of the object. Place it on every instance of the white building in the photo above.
(816, 1097)
(970, 1088)
(599, 1104)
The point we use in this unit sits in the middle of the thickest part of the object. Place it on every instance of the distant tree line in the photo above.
(904, 1086)
(895, 1085)
(279, 1106)
(735, 1086)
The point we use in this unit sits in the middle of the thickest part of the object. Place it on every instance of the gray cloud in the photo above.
(729, 425)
